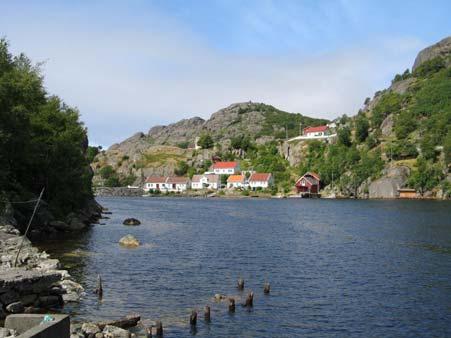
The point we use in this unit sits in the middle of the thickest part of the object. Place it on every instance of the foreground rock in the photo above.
(131, 221)
(129, 241)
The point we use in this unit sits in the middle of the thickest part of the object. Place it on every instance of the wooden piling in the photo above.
(99, 288)
(249, 300)
(240, 284)
(231, 304)
(193, 318)
(207, 315)
(159, 328)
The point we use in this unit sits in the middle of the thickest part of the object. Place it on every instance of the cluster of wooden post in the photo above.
(193, 317)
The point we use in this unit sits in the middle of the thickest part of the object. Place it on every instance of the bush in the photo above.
(389, 103)
(107, 172)
(183, 145)
(401, 150)
(361, 125)
(181, 169)
(405, 123)
(205, 141)
(430, 67)
(344, 136)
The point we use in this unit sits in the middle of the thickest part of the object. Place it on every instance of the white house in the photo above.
(154, 183)
(261, 180)
(166, 184)
(316, 131)
(206, 181)
(226, 168)
(236, 181)
(177, 184)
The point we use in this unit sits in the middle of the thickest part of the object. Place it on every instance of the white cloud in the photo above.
(128, 78)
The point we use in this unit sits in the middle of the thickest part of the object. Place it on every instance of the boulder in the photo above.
(129, 241)
(49, 301)
(387, 126)
(90, 329)
(131, 221)
(387, 186)
(115, 332)
(60, 225)
(16, 307)
(76, 224)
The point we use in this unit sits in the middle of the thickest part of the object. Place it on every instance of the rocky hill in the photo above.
(400, 138)
(162, 149)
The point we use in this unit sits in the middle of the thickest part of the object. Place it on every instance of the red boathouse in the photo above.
(309, 183)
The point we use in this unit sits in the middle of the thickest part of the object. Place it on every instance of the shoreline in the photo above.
(133, 192)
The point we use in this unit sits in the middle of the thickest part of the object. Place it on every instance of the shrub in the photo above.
(430, 67)
(205, 141)
(106, 172)
(361, 126)
(389, 103)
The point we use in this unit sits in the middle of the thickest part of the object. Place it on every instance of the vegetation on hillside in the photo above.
(42, 141)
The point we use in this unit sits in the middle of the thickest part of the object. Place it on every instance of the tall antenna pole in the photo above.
(28, 226)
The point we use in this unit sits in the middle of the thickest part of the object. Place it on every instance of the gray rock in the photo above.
(387, 186)
(131, 221)
(16, 307)
(60, 225)
(441, 48)
(115, 332)
(9, 297)
(76, 224)
(129, 241)
(387, 125)
(28, 300)
(49, 301)
(90, 329)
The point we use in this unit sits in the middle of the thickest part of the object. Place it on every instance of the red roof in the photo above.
(260, 177)
(307, 176)
(225, 165)
(235, 179)
(315, 129)
(156, 179)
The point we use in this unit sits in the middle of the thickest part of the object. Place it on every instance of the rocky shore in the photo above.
(36, 283)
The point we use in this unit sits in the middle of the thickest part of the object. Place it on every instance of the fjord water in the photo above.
(337, 268)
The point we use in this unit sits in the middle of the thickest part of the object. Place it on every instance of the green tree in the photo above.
(361, 125)
(447, 148)
(405, 123)
(344, 136)
(92, 152)
(426, 177)
(106, 172)
(389, 103)
(205, 141)
(181, 169)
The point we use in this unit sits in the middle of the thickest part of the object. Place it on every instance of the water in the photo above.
(337, 268)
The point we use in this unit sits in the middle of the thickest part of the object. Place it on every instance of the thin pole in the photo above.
(28, 226)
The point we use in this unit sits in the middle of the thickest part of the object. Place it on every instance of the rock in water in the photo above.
(129, 241)
(131, 221)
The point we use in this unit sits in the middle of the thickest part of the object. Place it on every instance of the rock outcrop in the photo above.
(441, 48)
(129, 241)
(387, 186)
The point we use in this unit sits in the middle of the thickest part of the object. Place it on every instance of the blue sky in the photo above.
(129, 65)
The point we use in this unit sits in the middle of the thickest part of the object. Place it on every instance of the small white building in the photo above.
(226, 168)
(261, 180)
(206, 181)
(236, 182)
(316, 131)
(154, 183)
(177, 184)
(166, 184)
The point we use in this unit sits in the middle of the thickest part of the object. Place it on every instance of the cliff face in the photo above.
(441, 49)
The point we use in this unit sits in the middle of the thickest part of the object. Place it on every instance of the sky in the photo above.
(130, 65)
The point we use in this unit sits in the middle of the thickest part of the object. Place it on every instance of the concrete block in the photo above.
(28, 326)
